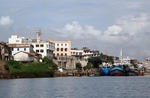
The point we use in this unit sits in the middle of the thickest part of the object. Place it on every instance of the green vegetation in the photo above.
(78, 66)
(88, 66)
(36, 68)
(96, 61)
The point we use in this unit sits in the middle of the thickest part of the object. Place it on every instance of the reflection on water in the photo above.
(76, 87)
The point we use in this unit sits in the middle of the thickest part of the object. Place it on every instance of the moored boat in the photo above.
(104, 71)
(117, 71)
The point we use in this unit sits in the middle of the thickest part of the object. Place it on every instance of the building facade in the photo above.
(44, 48)
(5, 52)
(22, 52)
(62, 48)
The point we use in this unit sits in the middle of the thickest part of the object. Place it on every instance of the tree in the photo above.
(50, 62)
(88, 66)
(78, 66)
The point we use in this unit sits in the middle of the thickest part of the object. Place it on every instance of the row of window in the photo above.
(61, 54)
(61, 49)
(40, 51)
(41, 45)
(61, 44)
(76, 53)
(18, 49)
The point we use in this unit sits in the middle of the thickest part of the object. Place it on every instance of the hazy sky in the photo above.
(106, 25)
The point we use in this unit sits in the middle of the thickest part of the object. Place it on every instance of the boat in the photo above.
(104, 71)
(117, 71)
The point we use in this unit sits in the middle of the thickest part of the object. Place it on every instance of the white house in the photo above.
(22, 52)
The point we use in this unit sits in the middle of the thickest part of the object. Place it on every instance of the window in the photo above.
(61, 49)
(41, 50)
(61, 54)
(37, 45)
(17, 40)
(61, 44)
(57, 54)
(41, 45)
(17, 49)
(65, 44)
(65, 54)
(57, 49)
(37, 50)
(65, 49)
(57, 44)
(12, 49)
(24, 49)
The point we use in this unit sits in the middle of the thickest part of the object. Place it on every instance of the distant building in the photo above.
(15, 39)
(5, 52)
(77, 52)
(44, 48)
(62, 48)
(146, 64)
(22, 52)
(87, 53)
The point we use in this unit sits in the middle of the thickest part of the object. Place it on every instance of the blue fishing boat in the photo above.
(104, 71)
(117, 71)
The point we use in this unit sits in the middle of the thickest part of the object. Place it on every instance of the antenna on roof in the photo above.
(37, 30)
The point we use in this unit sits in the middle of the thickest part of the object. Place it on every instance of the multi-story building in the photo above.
(22, 52)
(77, 52)
(62, 48)
(44, 48)
(15, 39)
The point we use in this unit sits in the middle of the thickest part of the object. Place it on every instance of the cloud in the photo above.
(80, 31)
(134, 24)
(6, 20)
(122, 30)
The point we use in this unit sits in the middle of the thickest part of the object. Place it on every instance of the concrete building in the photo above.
(69, 62)
(22, 52)
(15, 39)
(76, 52)
(62, 48)
(44, 48)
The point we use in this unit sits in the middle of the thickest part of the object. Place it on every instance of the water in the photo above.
(76, 87)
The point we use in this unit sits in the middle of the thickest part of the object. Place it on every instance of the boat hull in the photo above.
(117, 71)
(105, 71)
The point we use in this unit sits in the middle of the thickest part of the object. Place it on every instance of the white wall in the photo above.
(23, 57)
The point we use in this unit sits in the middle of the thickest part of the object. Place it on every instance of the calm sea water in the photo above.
(76, 87)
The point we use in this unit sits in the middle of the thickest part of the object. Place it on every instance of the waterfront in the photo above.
(76, 87)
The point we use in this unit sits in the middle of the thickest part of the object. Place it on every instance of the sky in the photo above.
(104, 25)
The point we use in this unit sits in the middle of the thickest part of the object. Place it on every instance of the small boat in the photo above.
(132, 73)
(104, 71)
(117, 71)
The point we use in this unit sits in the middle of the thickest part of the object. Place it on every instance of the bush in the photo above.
(78, 66)
(36, 68)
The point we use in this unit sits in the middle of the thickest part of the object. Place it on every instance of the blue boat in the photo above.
(104, 71)
(117, 71)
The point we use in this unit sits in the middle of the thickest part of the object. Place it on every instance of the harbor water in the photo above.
(77, 87)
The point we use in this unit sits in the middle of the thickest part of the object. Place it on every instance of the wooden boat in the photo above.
(117, 71)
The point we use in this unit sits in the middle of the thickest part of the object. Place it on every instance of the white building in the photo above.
(45, 48)
(76, 52)
(22, 52)
(15, 39)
